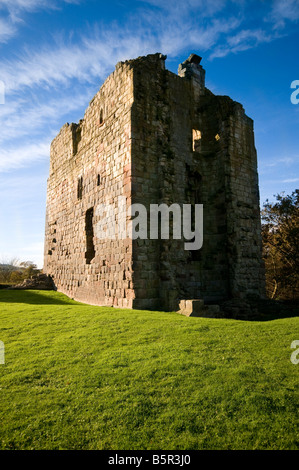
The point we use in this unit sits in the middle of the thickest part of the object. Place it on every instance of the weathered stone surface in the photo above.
(197, 308)
(154, 137)
(191, 307)
(38, 282)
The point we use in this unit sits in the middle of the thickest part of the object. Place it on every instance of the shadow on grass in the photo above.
(275, 316)
(266, 310)
(276, 309)
(36, 297)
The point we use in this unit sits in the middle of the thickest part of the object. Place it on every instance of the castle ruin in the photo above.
(152, 137)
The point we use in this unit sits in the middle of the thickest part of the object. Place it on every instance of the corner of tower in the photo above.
(191, 70)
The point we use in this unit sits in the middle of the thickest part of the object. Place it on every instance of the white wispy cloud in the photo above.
(206, 8)
(44, 82)
(267, 167)
(31, 5)
(58, 66)
(284, 10)
(22, 4)
(286, 161)
(50, 66)
(26, 117)
(7, 30)
(174, 38)
(24, 155)
(12, 12)
(97, 53)
(166, 31)
(291, 180)
(243, 40)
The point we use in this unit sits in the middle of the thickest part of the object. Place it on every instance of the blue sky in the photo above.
(55, 54)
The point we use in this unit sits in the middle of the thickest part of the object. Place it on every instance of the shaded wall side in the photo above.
(147, 132)
(164, 114)
(199, 178)
(223, 169)
(223, 165)
(247, 275)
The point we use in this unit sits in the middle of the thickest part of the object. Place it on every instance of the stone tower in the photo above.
(152, 137)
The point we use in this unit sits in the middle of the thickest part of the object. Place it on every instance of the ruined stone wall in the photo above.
(155, 138)
(243, 213)
(91, 165)
(218, 170)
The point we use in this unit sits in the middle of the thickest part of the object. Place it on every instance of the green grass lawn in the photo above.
(83, 377)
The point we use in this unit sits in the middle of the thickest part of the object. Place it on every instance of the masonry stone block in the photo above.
(154, 137)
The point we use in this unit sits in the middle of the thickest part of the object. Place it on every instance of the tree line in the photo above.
(280, 233)
(14, 271)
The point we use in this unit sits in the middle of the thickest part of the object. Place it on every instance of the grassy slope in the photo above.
(83, 377)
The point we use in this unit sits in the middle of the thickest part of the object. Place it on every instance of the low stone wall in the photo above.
(39, 282)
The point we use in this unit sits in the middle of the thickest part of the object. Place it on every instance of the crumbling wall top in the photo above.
(157, 57)
(193, 71)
